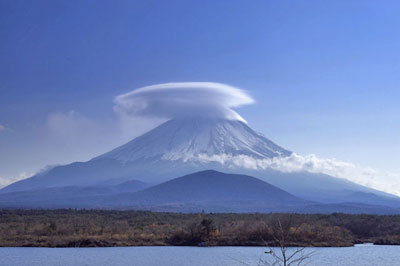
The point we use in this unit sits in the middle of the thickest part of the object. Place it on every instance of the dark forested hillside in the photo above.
(74, 228)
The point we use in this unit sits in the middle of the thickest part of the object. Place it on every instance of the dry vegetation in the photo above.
(78, 228)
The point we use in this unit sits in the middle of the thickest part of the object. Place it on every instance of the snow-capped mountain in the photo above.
(187, 145)
(188, 138)
(175, 148)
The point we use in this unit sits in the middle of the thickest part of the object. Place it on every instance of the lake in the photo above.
(179, 256)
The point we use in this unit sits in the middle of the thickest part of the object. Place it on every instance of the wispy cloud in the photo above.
(4, 181)
(80, 136)
(81, 133)
(70, 126)
(3, 128)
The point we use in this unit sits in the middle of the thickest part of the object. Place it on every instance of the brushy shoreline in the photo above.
(101, 228)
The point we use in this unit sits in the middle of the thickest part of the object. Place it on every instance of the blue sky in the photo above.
(324, 74)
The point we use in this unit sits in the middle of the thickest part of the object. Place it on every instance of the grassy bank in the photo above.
(95, 228)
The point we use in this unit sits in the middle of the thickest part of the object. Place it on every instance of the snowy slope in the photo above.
(184, 139)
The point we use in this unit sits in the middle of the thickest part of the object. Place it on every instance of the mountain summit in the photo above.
(191, 138)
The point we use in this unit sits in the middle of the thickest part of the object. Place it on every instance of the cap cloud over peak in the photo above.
(184, 99)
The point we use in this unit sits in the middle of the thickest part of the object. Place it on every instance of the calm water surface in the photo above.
(179, 256)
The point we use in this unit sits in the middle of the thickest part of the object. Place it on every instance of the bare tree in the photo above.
(283, 255)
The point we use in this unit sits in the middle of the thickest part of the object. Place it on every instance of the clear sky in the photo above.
(325, 74)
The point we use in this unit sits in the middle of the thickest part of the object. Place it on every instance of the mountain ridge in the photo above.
(208, 190)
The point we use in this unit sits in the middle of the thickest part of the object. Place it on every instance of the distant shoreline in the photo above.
(58, 247)
(260, 245)
(90, 244)
(99, 228)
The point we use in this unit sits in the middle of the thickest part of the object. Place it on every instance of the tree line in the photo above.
(76, 228)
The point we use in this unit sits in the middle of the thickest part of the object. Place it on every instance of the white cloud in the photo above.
(366, 176)
(4, 181)
(182, 99)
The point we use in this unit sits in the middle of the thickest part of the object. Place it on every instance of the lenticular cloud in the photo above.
(183, 99)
